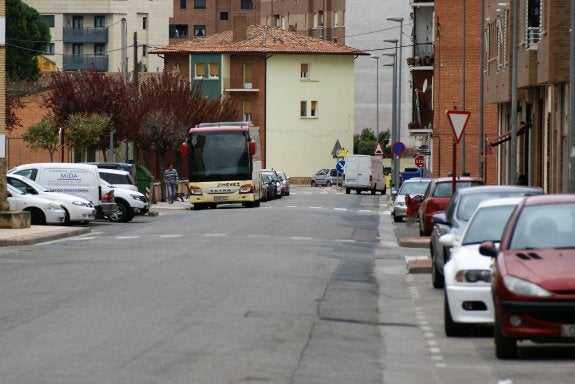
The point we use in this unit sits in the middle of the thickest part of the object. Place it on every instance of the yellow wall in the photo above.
(301, 146)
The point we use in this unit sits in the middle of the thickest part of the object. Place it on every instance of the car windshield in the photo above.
(414, 188)
(445, 189)
(468, 203)
(24, 185)
(487, 224)
(545, 226)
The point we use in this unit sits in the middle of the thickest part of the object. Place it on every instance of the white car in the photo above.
(467, 298)
(78, 210)
(129, 203)
(412, 187)
(42, 211)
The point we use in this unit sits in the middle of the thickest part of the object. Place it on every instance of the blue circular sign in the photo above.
(340, 166)
(398, 148)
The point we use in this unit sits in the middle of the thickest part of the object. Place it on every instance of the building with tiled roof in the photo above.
(299, 90)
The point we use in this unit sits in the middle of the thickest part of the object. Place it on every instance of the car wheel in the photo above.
(67, 218)
(313, 183)
(396, 218)
(37, 217)
(373, 191)
(505, 348)
(123, 214)
(436, 277)
(199, 207)
(347, 191)
(452, 329)
(357, 191)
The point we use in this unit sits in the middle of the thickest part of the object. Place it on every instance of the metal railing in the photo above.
(85, 35)
(83, 62)
(533, 37)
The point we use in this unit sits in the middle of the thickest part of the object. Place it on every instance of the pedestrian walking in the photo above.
(171, 181)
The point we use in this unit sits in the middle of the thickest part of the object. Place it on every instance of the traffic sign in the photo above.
(340, 166)
(377, 151)
(419, 161)
(336, 147)
(341, 153)
(458, 121)
(398, 148)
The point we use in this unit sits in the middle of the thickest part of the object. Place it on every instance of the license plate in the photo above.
(568, 330)
(220, 198)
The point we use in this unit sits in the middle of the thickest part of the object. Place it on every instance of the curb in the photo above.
(40, 237)
(419, 266)
(414, 242)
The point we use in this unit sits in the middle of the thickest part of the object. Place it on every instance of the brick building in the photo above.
(456, 84)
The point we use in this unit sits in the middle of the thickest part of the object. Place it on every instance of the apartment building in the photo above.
(105, 35)
(457, 85)
(543, 66)
(297, 89)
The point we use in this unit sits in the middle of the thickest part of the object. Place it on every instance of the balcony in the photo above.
(86, 62)
(237, 84)
(85, 35)
(421, 3)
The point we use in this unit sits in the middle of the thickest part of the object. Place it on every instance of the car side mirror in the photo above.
(488, 248)
(440, 218)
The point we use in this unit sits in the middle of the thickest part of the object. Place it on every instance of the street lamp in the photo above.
(393, 111)
(376, 97)
(399, 65)
(395, 129)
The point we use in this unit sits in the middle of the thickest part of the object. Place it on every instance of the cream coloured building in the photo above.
(101, 34)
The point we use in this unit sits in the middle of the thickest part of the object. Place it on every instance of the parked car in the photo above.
(327, 177)
(275, 181)
(437, 196)
(456, 216)
(42, 211)
(78, 210)
(413, 187)
(533, 283)
(285, 182)
(467, 298)
(269, 189)
(129, 203)
(119, 178)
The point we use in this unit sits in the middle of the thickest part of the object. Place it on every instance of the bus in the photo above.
(224, 164)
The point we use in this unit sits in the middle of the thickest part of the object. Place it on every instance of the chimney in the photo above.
(239, 28)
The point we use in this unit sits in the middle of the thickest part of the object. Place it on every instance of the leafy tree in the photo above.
(364, 143)
(86, 131)
(44, 136)
(12, 120)
(27, 36)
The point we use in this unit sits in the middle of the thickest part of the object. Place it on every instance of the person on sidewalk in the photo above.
(171, 181)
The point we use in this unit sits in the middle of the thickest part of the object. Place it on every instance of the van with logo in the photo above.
(76, 179)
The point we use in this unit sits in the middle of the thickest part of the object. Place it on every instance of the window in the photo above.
(224, 16)
(49, 50)
(178, 31)
(313, 109)
(303, 108)
(532, 22)
(304, 72)
(200, 71)
(48, 19)
(247, 107)
(77, 49)
(145, 22)
(199, 30)
(248, 69)
(276, 21)
(99, 21)
(199, 4)
(77, 22)
(247, 4)
(183, 4)
(214, 70)
(501, 25)
(99, 49)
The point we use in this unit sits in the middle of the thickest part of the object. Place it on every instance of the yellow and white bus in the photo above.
(224, 164)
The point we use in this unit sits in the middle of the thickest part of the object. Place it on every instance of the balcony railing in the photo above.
(86, 62)
(533, 37)
(85, 35)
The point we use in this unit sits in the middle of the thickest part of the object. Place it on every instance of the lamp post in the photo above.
(396, 110)
(376, 97)
(399, 64)
(393, 111)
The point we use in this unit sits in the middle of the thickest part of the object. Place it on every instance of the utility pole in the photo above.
(512, 177)
(136, 58)
(124, 49)
(572, 104)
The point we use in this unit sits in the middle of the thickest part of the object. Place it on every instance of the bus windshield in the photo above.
(219, 156)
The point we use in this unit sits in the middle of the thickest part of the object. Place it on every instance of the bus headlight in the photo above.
(195, 191)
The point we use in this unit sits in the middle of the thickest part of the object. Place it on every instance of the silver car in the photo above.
(412, 187)
(327, 177)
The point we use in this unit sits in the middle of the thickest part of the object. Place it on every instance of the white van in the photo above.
(77, 179)
(364, 173)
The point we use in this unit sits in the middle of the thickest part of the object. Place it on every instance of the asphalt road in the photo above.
(310, 288)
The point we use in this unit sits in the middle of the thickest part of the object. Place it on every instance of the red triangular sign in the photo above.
(378, 151)
(458, 121)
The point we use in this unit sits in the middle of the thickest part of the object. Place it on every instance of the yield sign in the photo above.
(377, 151)
(458, 121)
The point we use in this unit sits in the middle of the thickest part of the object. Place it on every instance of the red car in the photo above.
(436, 199)
(533, 281)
